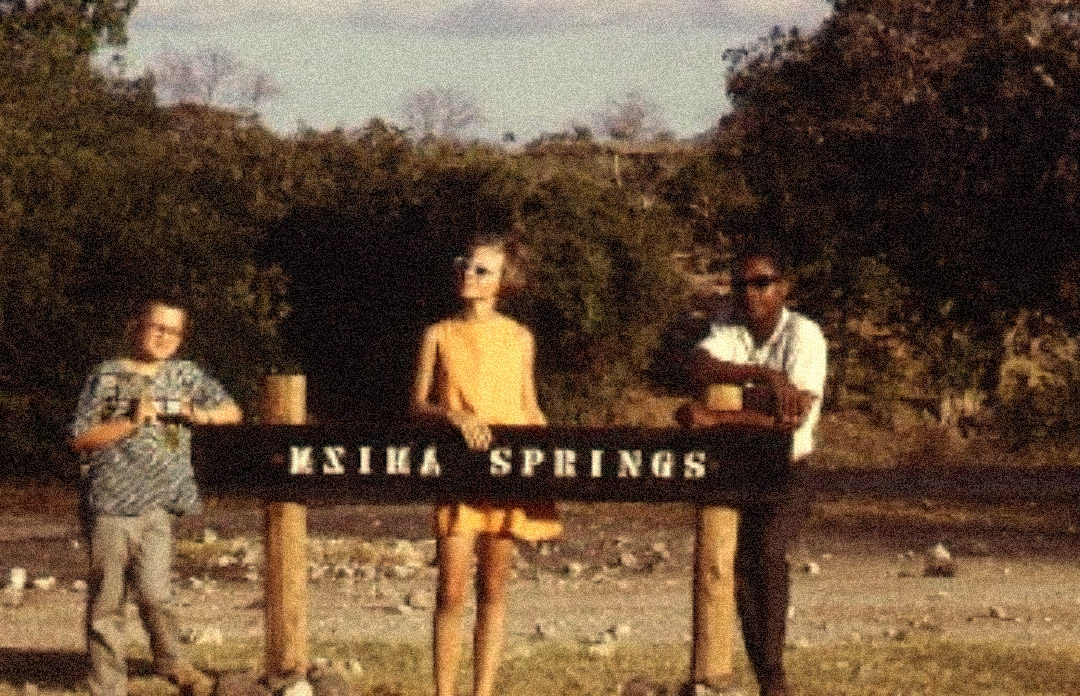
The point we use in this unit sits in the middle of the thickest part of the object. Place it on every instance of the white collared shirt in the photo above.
(796, 348)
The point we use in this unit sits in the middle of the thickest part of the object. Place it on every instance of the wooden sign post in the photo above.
(284, 402)
(711, 662)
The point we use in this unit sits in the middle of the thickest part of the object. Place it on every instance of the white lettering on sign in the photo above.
(629, 463)
(300, 460)
(597, 464)
(333, 463)
(564, 463)
(694, 465)
(663, 461)
(500, 461)
(430, 465)
(533, 458)
(527, 462)
(397, 461)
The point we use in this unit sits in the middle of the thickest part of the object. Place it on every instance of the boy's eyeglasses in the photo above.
(170, 331)
(482, 273)
(758, 283)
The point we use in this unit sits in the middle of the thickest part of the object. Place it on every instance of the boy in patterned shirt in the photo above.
(131, 428)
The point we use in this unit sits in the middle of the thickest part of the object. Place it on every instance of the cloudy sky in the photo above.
(531, 66)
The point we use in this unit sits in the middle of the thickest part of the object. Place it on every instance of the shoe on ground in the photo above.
(191, 681)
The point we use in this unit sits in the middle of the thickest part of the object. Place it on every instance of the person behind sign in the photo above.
(131, 427)
(475, 369)
(780, 354)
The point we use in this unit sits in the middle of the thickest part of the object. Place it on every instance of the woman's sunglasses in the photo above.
(483, 273)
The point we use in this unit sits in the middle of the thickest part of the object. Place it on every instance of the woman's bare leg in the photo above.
(455, 561)
(492, 579)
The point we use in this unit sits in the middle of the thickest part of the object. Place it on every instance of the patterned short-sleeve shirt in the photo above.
(152, 466)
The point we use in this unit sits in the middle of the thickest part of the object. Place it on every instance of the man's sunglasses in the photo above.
(758, 283)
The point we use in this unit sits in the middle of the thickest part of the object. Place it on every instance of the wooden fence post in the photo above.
(714, 596)
(284, 402)
(714, 578)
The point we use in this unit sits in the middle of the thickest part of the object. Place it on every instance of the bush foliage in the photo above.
(921, 165)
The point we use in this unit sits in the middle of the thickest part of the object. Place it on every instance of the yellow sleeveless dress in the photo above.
(480, 367)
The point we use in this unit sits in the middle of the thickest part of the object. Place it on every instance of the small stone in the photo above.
(317, 572)
(225, 561)
(601, 650)
(78, 585)
(45, 584)
(344, 572)
(17, 578)
(420, 599)
(895, 634)
(353, 666)
(628, 560)
(619, 631)
(209, 536)
(574, 569)
(999, 613)
(402, 572)
(75, 544)
(298, 688)
(545, 548)
(811, 568)
(251, 576)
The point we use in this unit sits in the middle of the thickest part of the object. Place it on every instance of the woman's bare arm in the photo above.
(528, 396)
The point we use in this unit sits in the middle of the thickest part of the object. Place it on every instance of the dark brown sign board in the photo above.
(397, 463)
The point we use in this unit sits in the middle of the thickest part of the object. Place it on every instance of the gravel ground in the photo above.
(629, 567)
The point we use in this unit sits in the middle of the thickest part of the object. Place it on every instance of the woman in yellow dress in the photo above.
(475, 370)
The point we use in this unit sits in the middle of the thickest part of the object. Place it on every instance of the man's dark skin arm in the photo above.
(791, 405)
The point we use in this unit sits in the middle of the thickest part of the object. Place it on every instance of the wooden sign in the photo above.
(403, 463)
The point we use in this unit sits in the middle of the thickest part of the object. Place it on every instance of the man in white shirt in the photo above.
(778, 355)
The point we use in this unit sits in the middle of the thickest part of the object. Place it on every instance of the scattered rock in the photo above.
(600, 650)
(78, 585)
(326, 681)
(939, 563)
(420, 599)
(811, 568)
(317, 572)
(251, 576)
(300, 687)
(999, 613)
(17, 578)
(209, 635)
(45, 584)
(225, 561)
(661, 550)
(403, 572)
(574, 569)
(209, 536)
(628, 560)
